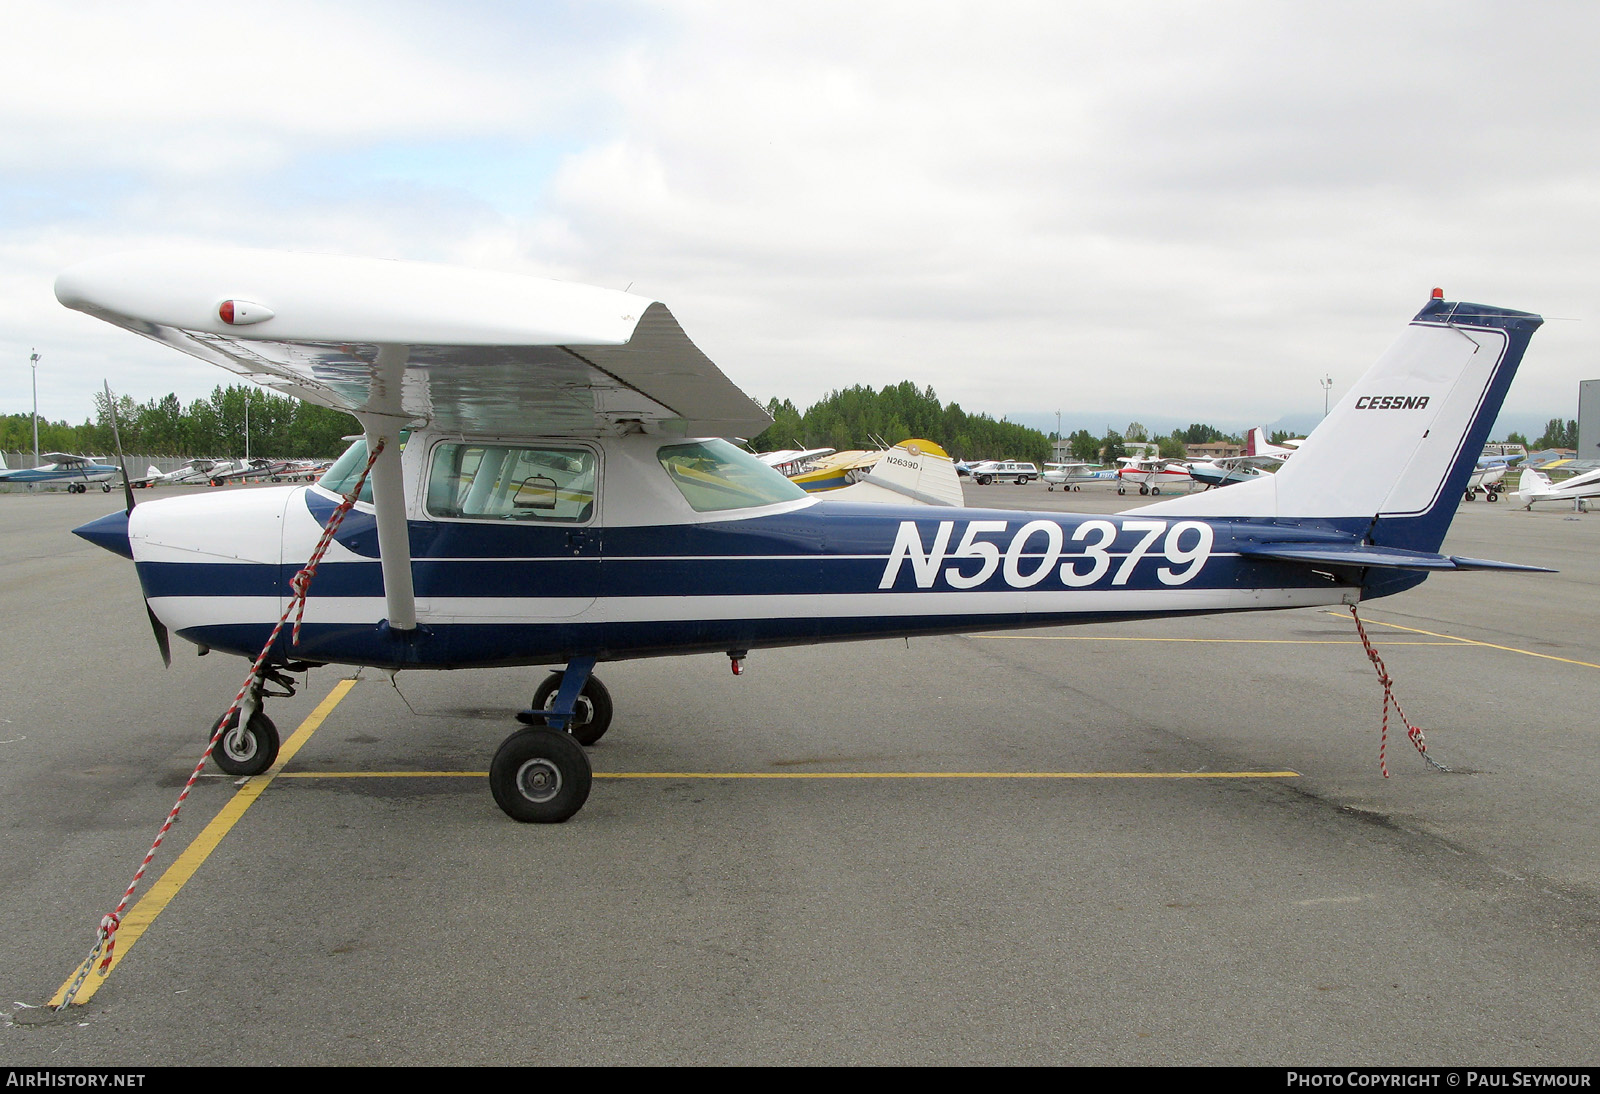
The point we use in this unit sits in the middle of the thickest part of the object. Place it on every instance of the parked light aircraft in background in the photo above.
(1256, 444)
(914, 471)
(1151, 474)
(1071, 476)
(564, 497)
(75, 471)
(195, 471)
(790, 462)
(1226, 470)
(1536, 486)
(833, 470)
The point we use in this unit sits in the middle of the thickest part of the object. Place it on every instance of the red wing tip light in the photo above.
(241, 313)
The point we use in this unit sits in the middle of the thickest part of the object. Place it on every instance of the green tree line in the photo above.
(279, 426)
(860, 417)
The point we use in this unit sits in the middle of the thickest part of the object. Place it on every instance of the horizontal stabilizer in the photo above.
(1392, 558)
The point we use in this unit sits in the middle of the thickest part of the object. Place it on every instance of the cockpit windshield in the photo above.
(339, 478)
(713, 476)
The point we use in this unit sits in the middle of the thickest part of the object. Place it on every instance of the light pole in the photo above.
(1327, 386)
(34, 361)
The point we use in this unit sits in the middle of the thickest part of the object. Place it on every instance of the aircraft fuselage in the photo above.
(641, 575)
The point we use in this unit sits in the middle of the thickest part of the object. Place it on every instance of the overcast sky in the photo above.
(1190, 210)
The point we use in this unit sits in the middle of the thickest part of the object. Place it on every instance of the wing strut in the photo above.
(383, 421)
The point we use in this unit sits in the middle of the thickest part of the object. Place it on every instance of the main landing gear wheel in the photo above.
(540, 776)
(1144, 490)
(247, 752)
(591, 715)
(1492, 496)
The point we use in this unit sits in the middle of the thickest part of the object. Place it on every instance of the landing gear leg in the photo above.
(584, 711)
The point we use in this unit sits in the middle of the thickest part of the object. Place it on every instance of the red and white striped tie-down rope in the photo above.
(1413, 732)
(106, 937)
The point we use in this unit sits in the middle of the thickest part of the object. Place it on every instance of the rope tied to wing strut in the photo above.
(1412, 731)
(106, 934)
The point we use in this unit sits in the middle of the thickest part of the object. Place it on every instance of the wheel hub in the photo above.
(239, 744)
(539, 780)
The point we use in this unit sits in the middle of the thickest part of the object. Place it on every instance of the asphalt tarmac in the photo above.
(1203, 864)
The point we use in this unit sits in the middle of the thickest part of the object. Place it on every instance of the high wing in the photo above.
(469, 350)
(65, 461)
(1247, 461)
(397, 343)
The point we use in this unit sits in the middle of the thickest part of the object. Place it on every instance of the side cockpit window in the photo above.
(511, 483)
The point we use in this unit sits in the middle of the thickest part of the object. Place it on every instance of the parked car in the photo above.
(1003, 471)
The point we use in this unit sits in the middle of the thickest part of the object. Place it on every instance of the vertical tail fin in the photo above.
(1532, 484)
(1395, 453)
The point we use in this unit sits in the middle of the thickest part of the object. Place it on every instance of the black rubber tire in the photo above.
(540, 776)
(1492, 496)
(1144, 490)
(259, 751)
(591, 717)
(1155, 490)
(984, 480)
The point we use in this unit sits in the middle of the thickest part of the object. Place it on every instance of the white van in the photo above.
(1003, 471)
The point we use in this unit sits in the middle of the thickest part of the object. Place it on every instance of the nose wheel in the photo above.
(252, 748)
(247, 751)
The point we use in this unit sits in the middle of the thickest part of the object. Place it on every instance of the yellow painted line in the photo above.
(154, 902)
(821, 775)
(384, 775)
(947, 775)
(1475, 642)
(1202, 641)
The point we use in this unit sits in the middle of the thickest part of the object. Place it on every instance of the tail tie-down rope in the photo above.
(106, 934)
(1413, 732)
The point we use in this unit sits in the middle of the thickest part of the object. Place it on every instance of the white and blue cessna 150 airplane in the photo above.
(564, 498)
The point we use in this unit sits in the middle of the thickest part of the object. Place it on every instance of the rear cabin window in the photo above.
(714, 475)
(511, 482)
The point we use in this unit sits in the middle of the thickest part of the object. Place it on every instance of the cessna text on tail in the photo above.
(564, 498)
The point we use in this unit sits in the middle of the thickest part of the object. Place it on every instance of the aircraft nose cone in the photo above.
(110, 532)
